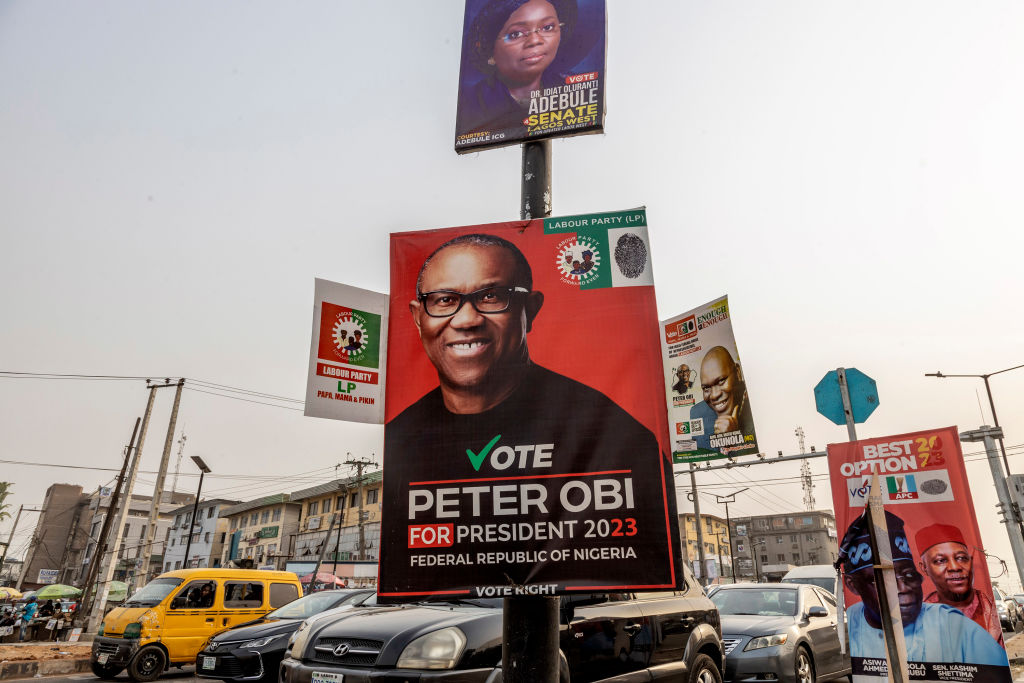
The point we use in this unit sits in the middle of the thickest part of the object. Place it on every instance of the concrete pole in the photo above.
(108, 562)
(989, 435)
(154, 509)
(700, 532)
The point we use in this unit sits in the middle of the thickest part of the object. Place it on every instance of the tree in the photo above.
(5, 490)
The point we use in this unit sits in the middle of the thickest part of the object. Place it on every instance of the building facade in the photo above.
(331, 512)
(57, 530)
(259, 532)
(133, 536)
(716, 537)
(768, 546)
(208, 535)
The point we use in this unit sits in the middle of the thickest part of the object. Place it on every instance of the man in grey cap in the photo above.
(934, 632)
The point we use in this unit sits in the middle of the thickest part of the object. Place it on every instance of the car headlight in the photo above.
(1001, 608)
(435, 650)
(767, 641)
(261, 642)
(133, 630)
(100, 632)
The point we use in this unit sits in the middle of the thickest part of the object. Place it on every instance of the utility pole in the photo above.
(359, 465)
(10, 538)
(109, 561)
(89, 590)
(725, 500)
(700, 533)
(989, 435)
(158, 489)
(323, 549)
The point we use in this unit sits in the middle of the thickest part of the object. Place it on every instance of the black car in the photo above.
(253, 651)
(675, 635)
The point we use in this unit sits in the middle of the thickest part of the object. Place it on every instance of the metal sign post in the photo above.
(529, 650)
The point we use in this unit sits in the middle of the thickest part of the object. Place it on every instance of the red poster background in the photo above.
(933, 450)
(605, 338)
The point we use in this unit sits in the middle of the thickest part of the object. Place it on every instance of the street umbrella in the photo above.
(25, 597)
(8, 593)
(323, 580)
(57, 591)
(118, 591)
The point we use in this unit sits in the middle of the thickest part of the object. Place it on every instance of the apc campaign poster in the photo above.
(709, 411)
(524, 446)
(346, 353)
(949, 618)
(531, 69)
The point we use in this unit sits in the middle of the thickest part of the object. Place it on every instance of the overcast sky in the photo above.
(173, 175)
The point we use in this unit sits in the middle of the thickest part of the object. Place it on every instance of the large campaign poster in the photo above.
(525, 448)
(531, 69)
(950, 620)
(708, 404)
(346, 353)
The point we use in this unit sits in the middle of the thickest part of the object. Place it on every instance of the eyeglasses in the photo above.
(444, 303)
(519, 35)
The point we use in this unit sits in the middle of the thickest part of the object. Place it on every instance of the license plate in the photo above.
(102, 659)
(209, 662)
(327, 677)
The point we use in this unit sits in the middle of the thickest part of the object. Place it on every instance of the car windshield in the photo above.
(828, 583)
(152, 593)
(308, 605)
(756, 601)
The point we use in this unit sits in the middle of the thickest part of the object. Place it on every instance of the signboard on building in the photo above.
(530, 71)
(525, 452)
(346, 370)
(950, 621)
(48, 576)
(268, 532)
(709, 411)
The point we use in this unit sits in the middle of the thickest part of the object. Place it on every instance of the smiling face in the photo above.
(521, 62)
(950, 568)
(718, 380)
(479, 357)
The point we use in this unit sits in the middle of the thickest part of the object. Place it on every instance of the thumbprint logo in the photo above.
(630, 255)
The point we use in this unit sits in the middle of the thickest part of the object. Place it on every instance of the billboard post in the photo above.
(529, 638)
(885, 576)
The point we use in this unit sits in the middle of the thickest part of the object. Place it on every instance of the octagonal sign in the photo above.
(863, 396)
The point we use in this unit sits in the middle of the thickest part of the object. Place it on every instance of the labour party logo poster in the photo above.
(709, 410)
(525, 448)
(346, 369)
(531, 69)
(950, 621)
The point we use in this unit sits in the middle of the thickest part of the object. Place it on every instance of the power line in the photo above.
(239, 398)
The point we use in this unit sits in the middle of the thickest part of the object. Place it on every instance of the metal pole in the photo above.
(10, 537)
(158, 489)
(192, 522)
(844, 391)
(323, 549)
(700, 532)
(732, 556)
(529, 650)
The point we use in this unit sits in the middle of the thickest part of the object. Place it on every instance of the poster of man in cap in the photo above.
(949, 619)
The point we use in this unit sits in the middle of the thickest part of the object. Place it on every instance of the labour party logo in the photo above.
(578, 260)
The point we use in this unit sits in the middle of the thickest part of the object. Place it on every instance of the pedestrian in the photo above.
(27, 613)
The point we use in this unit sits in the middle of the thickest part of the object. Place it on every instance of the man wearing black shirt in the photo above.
(537, 476)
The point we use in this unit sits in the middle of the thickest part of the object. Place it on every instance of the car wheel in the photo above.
(704, 670)
(803, 666)
(147, 664)
(106, 671)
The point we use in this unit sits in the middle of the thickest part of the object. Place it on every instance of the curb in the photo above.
(51, 667)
